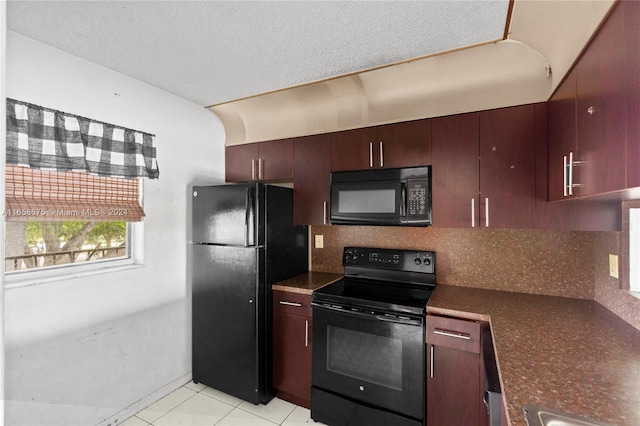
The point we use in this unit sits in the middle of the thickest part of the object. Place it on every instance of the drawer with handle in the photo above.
(292, 303)
(453, 333)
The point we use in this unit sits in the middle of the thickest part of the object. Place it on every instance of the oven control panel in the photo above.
(392, 259)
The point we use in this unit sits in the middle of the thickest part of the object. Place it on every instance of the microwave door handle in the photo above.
(403, 204)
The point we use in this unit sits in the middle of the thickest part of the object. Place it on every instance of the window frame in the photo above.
(625, 248)
(56, 273)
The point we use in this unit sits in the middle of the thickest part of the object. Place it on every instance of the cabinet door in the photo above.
(455, 171)
(354, 149)
(601, 110)
(507, 167)
(561, 115)
(632, 49)
(275, 161)
(405, 144)
(240, 162)
(576, 216)
(311, 180)
(292, 358)
(454, 393)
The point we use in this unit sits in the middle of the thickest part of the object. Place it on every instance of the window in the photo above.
(72, 188)
(38, 244)
(62, 218)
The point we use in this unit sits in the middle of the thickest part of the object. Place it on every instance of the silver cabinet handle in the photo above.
(565, 182)
(306, 333)
(381, 156)
(486, 212)
(324, 213)
(457, 335)
(260, 168)
(473, 213)
(370, 154)
(253, 169)
(282, 302)
(431, 363)
(570, 185)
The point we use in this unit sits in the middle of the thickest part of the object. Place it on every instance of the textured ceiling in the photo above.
(211, 52)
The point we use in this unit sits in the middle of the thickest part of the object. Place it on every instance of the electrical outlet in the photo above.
(319, 241)
(613, 265)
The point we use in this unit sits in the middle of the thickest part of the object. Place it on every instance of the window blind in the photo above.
(45, 195)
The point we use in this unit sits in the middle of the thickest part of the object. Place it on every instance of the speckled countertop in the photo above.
(571, 355)
(307, 282)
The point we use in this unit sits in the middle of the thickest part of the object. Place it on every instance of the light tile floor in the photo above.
(197, 404)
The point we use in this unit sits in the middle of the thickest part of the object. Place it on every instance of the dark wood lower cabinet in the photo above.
(455, 376)
(292, 348)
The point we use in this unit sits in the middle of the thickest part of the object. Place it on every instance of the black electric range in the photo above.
(368, 352)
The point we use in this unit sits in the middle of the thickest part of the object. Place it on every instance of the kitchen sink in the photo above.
(541, 416)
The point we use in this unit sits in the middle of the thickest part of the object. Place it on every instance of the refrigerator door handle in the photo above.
(247, 217)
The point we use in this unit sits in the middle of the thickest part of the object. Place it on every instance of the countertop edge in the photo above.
(306, 283)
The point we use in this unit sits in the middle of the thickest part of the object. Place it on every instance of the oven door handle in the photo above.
(373, 315)
(400, 320)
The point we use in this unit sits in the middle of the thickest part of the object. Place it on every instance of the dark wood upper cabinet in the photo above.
(311, 179)
(484, 169)
(601, 110)
(631, 11)
(507, 167)
(588, 116)
(455, 171)
(562, 137)
(404, 144)
(605, 215)
(353, 149)
(240, 161)
(263, 161)
(275, 161)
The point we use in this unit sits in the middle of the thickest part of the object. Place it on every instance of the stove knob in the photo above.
(427, 261)
(417, 261)
(351, 256)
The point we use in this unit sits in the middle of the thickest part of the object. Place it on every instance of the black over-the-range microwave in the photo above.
(391, 197)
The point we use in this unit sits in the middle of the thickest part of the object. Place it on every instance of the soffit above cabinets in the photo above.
(541, 46)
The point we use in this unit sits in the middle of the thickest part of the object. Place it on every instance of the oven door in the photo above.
(372, 358)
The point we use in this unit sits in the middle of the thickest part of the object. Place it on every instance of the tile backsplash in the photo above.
(528, 261)
(554, 263)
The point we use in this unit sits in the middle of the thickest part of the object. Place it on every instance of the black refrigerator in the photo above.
(243, 241)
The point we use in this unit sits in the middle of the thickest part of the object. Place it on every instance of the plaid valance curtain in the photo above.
(42, 138)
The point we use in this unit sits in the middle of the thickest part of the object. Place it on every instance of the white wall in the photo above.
(94, 349)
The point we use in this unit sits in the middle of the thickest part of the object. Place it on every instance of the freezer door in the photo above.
(224, 214)
(229, 321)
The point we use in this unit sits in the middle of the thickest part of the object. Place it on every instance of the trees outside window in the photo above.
(38, 244)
